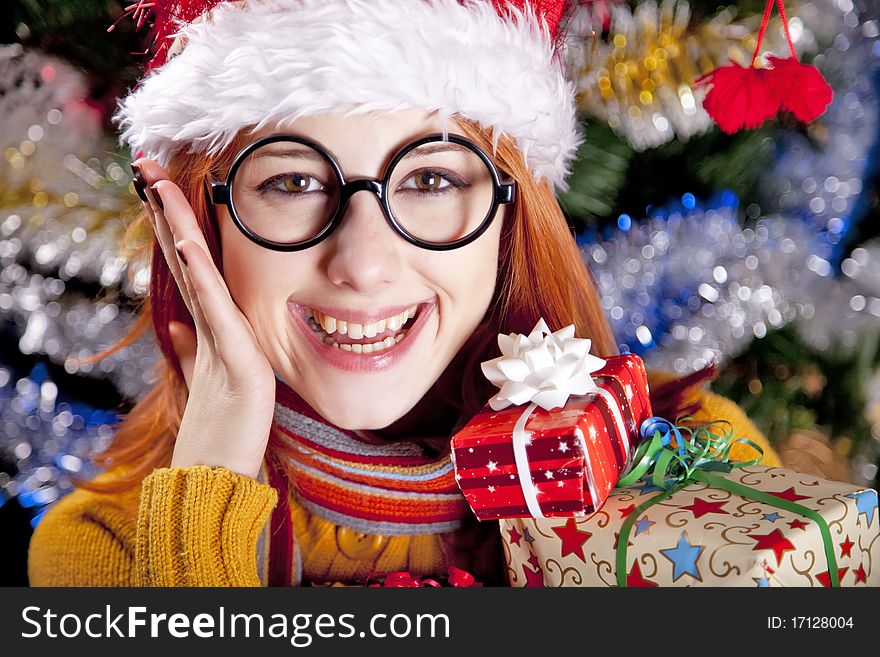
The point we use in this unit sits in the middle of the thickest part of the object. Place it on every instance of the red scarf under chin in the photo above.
(360, 481)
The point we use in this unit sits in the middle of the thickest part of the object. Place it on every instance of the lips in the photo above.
(354, 354)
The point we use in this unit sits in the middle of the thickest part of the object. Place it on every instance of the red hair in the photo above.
(540, 274)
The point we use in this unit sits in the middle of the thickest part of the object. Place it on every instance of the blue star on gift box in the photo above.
(866, 502)
(647, 487)
(642, 525)
(684, 558)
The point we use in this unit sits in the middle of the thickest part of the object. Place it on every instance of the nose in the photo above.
(363, 251)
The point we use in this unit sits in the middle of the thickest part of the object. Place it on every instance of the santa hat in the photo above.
(224, 66)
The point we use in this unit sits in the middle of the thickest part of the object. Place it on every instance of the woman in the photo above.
(350, 200)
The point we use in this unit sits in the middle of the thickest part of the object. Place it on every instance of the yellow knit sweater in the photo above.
(201, 526)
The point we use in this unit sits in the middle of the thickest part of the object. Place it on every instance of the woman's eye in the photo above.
(293, 183)
(431, 181)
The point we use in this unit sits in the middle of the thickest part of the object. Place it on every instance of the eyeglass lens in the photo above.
(288, 192)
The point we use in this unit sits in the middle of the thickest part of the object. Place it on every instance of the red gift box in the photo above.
(574, 455)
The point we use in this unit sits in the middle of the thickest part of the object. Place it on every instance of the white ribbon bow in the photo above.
(543, 368)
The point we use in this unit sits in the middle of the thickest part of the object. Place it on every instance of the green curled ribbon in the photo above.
(704, 452)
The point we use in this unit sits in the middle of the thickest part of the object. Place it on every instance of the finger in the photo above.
(231, 330)
(203, 328)
(183, 340)
(163, 224)
(172, 259)
(182, 221)
(177, 211)
(179, 220)
(150, 172)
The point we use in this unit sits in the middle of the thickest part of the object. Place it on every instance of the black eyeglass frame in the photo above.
(504, 192)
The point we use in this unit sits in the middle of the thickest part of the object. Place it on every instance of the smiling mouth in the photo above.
(357, 338)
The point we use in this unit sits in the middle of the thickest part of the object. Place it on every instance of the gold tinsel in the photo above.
(639, 77)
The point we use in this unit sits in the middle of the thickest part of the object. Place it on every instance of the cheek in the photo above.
(256, 277)
(472, 273)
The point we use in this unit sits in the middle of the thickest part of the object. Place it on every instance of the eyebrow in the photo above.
(292, 153)
(432, 149)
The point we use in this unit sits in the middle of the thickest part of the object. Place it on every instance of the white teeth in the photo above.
(363, 348)
(356, 331)
(325, 327)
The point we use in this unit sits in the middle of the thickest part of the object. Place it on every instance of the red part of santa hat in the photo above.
(222, 66)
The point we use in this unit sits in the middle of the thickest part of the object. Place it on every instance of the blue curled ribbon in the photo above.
(702, 449)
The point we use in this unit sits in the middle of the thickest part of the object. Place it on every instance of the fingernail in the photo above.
(180, 255)
(139, 182)
(158, 198)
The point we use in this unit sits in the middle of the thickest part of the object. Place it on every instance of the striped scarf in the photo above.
(361, 481)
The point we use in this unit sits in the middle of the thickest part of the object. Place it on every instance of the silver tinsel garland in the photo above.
(701, 288)
(65, 201)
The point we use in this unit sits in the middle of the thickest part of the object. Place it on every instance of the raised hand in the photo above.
(231, 385)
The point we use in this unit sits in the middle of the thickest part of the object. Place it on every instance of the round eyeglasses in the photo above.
(288, 193)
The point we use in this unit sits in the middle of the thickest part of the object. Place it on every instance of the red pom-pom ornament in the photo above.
(803, 90)
(402, 579)
(742, 97)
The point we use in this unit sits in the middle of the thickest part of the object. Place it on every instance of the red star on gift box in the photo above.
(789, 494)
(634, 578)
(534, 579)
(701, 507)
(861, 575)
(533, 561)
(846, 547)
(625, 511)
(775, 541)
(825, 578)
(617, 541)
(798, 524)
(573, 539)
(515, 536)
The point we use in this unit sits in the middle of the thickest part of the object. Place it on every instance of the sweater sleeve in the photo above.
(195, 526)
(85, 539)
(716, 407)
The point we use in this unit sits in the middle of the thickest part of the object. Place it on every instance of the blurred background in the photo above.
(760, 250)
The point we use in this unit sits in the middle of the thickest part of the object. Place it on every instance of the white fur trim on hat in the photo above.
(275, 61)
